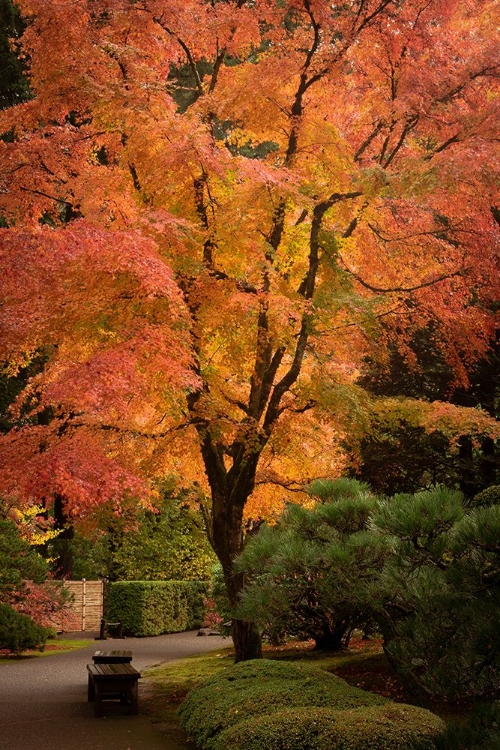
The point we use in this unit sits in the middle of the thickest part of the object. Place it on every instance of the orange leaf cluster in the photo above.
(211, 208)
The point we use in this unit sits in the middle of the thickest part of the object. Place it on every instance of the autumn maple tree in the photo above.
(209, 208)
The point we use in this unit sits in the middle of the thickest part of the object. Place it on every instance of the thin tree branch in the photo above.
(398, 289)
(376, 130)
(46, 195)
(186, 50)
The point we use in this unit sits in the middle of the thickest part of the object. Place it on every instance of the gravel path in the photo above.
(43, 701)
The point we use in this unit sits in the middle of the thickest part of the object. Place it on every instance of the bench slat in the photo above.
(109, 657)
(113, 671)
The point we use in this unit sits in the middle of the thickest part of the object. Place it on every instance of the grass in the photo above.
(53, 646)
(167, 685)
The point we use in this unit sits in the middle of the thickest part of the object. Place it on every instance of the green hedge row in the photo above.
(147, 608)
(270, 705)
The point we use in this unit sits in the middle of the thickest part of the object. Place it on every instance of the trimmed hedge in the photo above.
(271, 705)
(392, 726)
(259, 687)
(18, 632)
(266, 669)
(147, 608)
(489, 496)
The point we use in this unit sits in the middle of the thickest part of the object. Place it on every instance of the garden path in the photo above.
(43, 701)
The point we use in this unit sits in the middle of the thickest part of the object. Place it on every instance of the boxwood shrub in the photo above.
(147, 608)
(271, 705)
(391, 726)
(18, 632)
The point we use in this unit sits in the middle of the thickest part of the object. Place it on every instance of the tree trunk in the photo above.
(466, 466)
(488, 462)
(246, 639)
(407, 678)
(63, 543)
(230, 490)
(227, 541)
(331, 639)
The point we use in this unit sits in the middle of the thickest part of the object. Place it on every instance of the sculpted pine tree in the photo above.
(209, 207)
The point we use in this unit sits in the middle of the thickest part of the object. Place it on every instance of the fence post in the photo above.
(84, 594)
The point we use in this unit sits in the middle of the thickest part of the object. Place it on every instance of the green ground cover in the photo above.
(53, 645)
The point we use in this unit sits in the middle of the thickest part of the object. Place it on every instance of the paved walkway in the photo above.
(43, 701)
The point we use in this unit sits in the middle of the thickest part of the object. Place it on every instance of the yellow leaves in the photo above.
(260, 114)
(453, 421)
(414, 179)
(324, 159)
(268, 501)
(339, 401)
(301, 450)
(238, 137)
(107, 334)
(373, 181)
(291, 258)
(32, 526)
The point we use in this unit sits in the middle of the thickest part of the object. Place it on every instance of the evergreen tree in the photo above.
(19, 563)
(438, 595)
(307, 575)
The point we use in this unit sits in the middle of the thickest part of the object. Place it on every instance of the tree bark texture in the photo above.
(227, 541)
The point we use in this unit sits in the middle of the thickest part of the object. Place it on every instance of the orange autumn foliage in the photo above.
(209, 209)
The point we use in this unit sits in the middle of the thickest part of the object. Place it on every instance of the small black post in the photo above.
(102, 631)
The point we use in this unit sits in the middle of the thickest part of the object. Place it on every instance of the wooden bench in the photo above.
(113, 629)
(112, 657)
(113, 681)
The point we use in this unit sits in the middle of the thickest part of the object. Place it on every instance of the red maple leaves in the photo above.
(235, 195)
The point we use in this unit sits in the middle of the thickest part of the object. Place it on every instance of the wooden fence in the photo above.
(86, 610)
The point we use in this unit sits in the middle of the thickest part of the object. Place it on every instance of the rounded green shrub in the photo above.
(489, 496)
(18, 632)
(255, 688)
(391, 726)
(265, 669)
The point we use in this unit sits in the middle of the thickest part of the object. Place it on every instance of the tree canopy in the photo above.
(210, 208)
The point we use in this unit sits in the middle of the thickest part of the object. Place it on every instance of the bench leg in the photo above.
(130, 697)
(98, 690)
(134, 698)
(97, 701)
